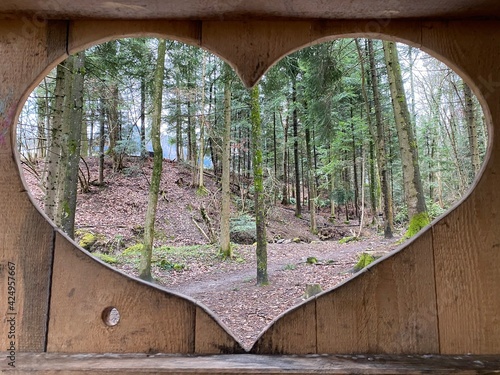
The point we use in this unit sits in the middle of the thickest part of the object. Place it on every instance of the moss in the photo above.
(312, 260)
(87, 240)
(106, 258)
(417, 222)
(134, 249)
(364, 260)
(348, 239)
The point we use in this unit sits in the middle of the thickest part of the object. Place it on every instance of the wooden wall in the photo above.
(436, 295)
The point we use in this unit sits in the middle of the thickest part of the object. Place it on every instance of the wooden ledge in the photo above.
(93, 364)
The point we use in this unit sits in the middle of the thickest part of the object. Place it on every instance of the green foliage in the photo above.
(106, 258)
(364, 260)
(134, 249)
(348, 239)
(289, 267)
(417, 222)
(87, 239)
(169, 266)
(311, 260)
(434, 209)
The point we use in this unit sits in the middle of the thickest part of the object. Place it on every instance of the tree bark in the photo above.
(311, 182)
(295, 122)
(415, 200)
(225, 244)
(378, 134)
(472, 131)
(260, 210)
(145, 265)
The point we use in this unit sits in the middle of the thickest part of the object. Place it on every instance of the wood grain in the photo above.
(87, 33)
(292, 333)
(211, 337)
(52, 364)
(389, 308)
(25, 236)
(252, 47)
(151, 320)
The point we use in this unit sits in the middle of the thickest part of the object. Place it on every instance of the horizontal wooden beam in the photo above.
(48, 364)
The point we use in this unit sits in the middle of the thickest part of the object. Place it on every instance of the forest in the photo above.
(353, 133)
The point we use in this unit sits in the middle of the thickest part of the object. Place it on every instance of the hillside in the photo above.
(186, 263)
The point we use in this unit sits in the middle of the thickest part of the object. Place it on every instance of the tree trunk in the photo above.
(472, 131)
(114, 128)
(286, 196)
(143, 118)
(102, 140)
(378, 135)
(415, 200)
(145, 265)
(260, 210)
(73, 130)
(225, 244)
(202, 124)
(298, 207)
(312, 184)
(53, 159)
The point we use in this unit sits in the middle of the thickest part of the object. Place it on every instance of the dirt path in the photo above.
(247, 309)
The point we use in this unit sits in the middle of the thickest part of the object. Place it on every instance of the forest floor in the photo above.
(184, 262)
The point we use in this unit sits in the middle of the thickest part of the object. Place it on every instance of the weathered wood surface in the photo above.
(51, 364)
(25, 235)
(224, 9)
(151, 320)
(438, 294)
(390, 307)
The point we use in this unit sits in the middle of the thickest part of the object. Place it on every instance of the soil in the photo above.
(115, 212)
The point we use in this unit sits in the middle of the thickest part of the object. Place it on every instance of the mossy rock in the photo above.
(296, 240)
(312, 290)
(106, 258)
(134, 249)
(417, 222)
(312, 260)
(348, 239)
(364, 260)
(243, 230)
(88, 240)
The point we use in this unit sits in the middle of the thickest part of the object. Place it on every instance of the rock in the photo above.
(296, 240)
(330, 233)
(312, 290)
(280, 241)
(312, 260)
(287, 241)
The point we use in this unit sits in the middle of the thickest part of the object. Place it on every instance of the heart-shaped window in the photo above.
(329, 142)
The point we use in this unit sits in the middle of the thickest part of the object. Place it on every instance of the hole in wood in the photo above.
(110, 316)
(329, 142)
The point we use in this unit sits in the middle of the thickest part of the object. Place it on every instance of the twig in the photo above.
(201, 230)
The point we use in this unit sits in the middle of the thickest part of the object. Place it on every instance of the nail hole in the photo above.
(110, 316)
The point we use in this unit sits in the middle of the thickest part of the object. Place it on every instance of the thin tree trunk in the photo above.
(225, 244)
(295, 122)
(102, 140)
(260, 210)
(472, 131)
(378, 135)
(53, 159)
(311, 181)
(145, 264)
(143, 118)
(202, 123)
(286, 196)
(73, 147)
(415, 200)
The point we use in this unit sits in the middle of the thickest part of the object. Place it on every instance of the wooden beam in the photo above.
(97, 364)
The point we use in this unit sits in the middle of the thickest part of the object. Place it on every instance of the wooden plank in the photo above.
(151, 320)
(52, 364)
(211, 337)
(467, 240)
(390, 307)
(292, 333)
(87, 33)
(252, 47)
(26, 237)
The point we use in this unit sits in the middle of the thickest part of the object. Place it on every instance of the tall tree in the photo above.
(378, 134)
(225, 244)
(145, 265)
(414, 193)
(258, 175)
(472, 131)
